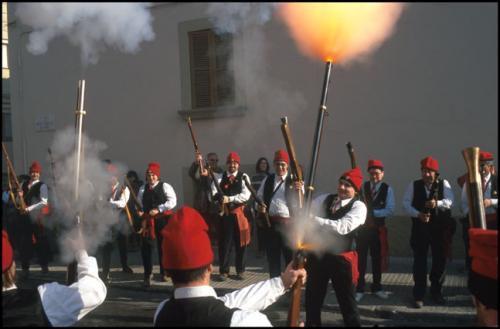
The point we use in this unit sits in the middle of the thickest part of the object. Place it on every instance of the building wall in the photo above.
(431, 89)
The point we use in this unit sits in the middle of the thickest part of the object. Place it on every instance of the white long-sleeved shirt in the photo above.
(278, 205)
(65, 305)
(486, 195)
(241, 197)
(390, 202)
(250, 300)
(354, 218)
(44, 197)
(443, 204)
(122, 200)
(169, 192)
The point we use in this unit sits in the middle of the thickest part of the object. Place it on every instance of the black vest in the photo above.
(151, 199)
(378, 203)
(494, 186)
(194, 312)
(341, 212)
(229, 188)
(269, 186)
(23, 308)
(419, 198)
(33, 195)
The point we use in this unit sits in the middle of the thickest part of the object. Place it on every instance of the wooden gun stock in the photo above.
(294, 164)
(293, 320)
(195, 144)
(258, 200)
(350, 150)
(223, 211)
(13, 179)
(477, 214)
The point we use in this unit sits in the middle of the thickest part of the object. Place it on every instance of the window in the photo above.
(212, 80)
(209, 88)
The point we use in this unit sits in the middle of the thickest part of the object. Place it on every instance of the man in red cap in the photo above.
(234, 226)
(490, 199)
(338, 216)
(372, 235)
(428, 201)
(187, 258)
(33, 233)
(158, 200)
(50, 304)
(276, 191)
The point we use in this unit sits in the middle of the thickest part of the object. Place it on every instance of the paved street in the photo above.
(128, 304)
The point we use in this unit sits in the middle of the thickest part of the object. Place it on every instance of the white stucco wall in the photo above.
(431, 89)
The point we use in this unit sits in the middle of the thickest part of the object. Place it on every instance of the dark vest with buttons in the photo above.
(23, 308)
(438, 216)
(233, 188)
(341, 212)
(269, 187)
(378, 203)
(151, 199)
(194, 312)
(32, 195)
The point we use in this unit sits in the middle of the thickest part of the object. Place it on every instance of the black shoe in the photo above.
(418, 304)
(45, 270)
(223, 276)
(439, 299)
(240, 276)
(147, 281)
(127, 269)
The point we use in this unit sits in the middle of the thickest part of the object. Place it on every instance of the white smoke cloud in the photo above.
(96, 215)
(233, 17)
(90, 26)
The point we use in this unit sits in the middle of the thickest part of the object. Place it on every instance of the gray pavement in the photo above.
(128, 304)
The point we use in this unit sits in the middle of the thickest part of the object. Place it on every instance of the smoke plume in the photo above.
(92, 206)
(233, 17)
(91, 26)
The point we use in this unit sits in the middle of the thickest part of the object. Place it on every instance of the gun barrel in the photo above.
(477, 215)
(317, 136)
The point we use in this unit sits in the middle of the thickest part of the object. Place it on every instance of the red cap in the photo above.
(354, 176)
(36, 167)
(281, 155)
(483, 249)
(6, 252)
(429, 163)
(375, 164)
(233, 156)
(485, 156)
(154, 167)
(186, 244)
(111, 168)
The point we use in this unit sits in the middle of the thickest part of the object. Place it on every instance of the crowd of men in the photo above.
(352, 218)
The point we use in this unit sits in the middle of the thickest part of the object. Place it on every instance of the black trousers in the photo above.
(42, 248)
(107, 250)
(147, 246)
(465, 238)
(369, 239)
(275, 247)
(337, 270)
(229, 237)
(422, 237)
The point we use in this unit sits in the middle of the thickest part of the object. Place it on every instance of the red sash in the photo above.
(384, 248)
(150, 223)
(243, 225)
(352, 257)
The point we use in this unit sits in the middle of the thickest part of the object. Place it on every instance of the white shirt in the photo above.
(238, 198)
(122, 201)
(354, 218)
(390, 202)
(278, 205)
(65, 305)
(443, 204)
(486, 195)
(250, 300)
(169, 192)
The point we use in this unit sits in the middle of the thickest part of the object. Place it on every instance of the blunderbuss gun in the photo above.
(147, 221)
(354, 164)
(299, 256)
(12, 180)
(195, 144)
(477, 214)
(223, 209)
(262, 218)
